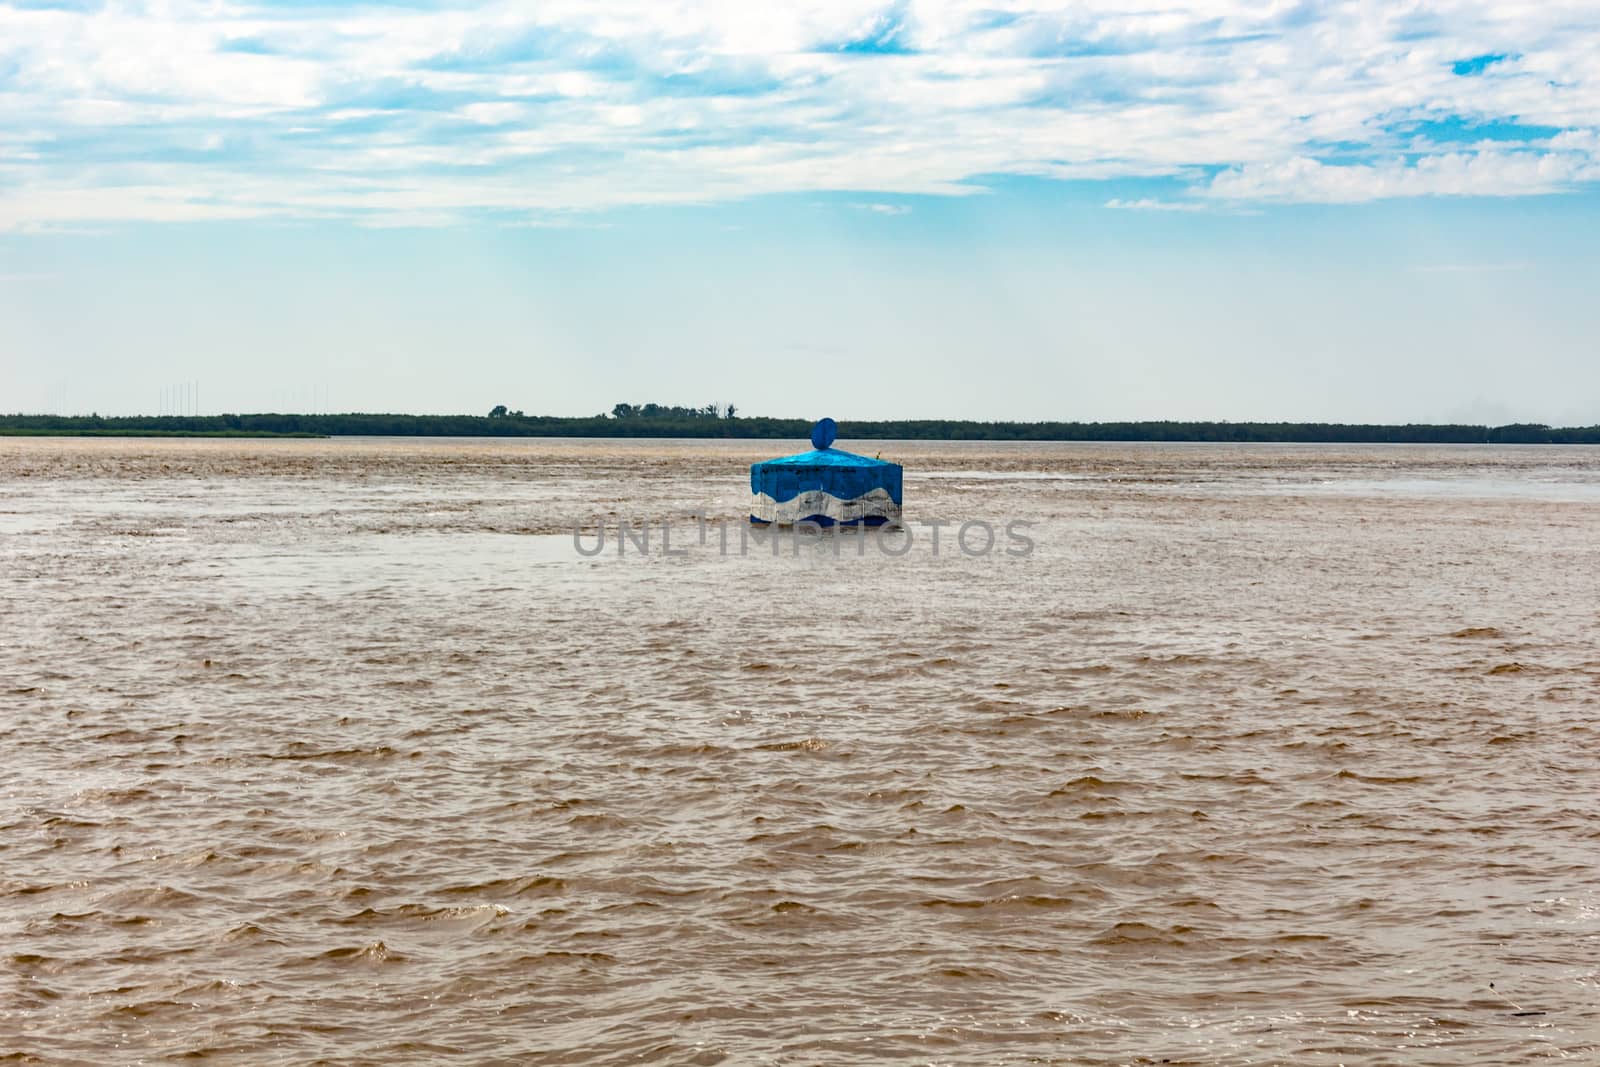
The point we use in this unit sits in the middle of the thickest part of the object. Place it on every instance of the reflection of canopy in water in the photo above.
(826, 486)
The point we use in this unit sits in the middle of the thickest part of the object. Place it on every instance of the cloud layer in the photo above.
(417, 112)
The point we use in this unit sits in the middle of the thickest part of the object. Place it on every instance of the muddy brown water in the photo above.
(339, 751)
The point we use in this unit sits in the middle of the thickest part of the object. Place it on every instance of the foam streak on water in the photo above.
(337, 750)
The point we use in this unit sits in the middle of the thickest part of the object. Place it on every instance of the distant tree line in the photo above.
(714, 420)
(660, 411)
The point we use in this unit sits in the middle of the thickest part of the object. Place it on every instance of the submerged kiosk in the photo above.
(826, 486)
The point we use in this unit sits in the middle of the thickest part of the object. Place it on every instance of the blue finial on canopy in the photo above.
(823, 433)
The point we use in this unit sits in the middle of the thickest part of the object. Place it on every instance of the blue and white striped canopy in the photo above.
(827, 486)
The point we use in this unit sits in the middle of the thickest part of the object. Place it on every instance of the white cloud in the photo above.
(1152, 204)
(1488, 172)
(190, 109)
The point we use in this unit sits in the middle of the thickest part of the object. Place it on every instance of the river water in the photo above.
(342, 751)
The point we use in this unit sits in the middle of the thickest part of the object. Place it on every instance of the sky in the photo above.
(1340, 211)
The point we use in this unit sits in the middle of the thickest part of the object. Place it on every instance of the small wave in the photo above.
(970, 973)
(302, 751)
(1379, 779)
(560, 956)
(1476, 632)
(154, 898)
(1181, 659)
(788, 906)
(374, 951)
(1104, 814)
(1511, 739)
(248, 933)
(1089, 784)
(1196, 902)
(423, 913)
(24, 889)
(1231, 778)
(1142, 934)
(1034, 901)
(808, 744)
(505, 888)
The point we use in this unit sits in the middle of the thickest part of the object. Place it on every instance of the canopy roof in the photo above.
(843, 476)
(824, 457)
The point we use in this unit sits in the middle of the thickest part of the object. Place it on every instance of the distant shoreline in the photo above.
(12, 431)
(760, 428)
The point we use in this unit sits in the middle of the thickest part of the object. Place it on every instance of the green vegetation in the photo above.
(655, 420)
(9, 430)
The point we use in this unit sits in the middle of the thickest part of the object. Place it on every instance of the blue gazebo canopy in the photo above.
(826, 485)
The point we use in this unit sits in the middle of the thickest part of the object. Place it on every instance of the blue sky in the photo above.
(1352, 211)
